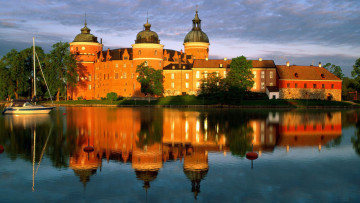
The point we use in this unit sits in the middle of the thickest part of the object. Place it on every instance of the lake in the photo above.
(180, 155)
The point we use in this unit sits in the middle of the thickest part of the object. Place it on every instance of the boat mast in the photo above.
(34, 69)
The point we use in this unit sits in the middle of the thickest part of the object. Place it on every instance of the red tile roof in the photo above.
(305, 73)
(215, 63)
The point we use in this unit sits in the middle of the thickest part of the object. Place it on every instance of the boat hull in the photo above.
(22, 110)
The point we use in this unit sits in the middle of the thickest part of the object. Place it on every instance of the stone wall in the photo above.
(309, 93)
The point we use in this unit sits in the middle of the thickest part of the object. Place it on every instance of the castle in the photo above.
(101, 72)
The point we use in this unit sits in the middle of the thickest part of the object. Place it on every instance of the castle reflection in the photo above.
(146, 138)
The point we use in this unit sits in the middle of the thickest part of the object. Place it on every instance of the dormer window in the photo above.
(296, 75)
(126, 58)
(173, 67)
(220, 65)
(322, 75)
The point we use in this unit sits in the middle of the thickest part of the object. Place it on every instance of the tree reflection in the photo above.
(151, 130)
(355, 140)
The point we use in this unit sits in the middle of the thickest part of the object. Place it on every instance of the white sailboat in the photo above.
(25, 107)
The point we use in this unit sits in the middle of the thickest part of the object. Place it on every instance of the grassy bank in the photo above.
(199, 101)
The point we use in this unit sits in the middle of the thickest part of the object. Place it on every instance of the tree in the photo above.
(5, 91)
(213, 86)
(334, 69)
(151, 80)
(60, 69)
(240, 78)
(19, 73)
(356, 70)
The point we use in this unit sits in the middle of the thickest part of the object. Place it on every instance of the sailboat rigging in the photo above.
(25, 107)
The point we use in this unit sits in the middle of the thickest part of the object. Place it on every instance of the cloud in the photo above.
(326, 23)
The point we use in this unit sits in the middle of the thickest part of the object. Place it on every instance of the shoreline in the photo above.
(208, 106)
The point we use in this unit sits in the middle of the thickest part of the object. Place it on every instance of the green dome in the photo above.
(85, 36)
(196, 34)
(147, 36)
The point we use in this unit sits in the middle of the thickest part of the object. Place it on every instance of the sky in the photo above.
(303, 32)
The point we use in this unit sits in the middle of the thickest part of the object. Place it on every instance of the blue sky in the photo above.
(301, 31)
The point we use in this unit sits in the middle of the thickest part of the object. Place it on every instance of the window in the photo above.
(224, 74)
(165, 58)
(104, 77)
(288, 85)
(205, 74)
(172, 85)
(95, 77)
(254, 86)
(173, 67)
(271, 84)
(124, 75)
(197, 74)
(176, 59)
(155, 52)
(217, 84)
(271, 74)
(187, 75)
(262, 74)
(132, 75)
(116, 65)
(160, 64)
(332, 86)
(254, 73)
(314, 85)
(323, 86)
(295, 85)
(146, 63)
(124, 65)
(172, 76)
(116, 75)
(217, 73)
(89, 87)
(126, 58)
(262, 85)
(305, 85)
(198, 85)
(186, 85)
(89, 78)
(139, 53)
(77, 49)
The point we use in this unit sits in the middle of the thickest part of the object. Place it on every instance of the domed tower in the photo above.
(147, 48)
(84, 47)
(196, 42)
(196, 167)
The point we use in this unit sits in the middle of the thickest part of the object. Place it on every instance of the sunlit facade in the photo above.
(101, 72)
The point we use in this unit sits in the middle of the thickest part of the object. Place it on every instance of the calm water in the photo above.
(180, 155)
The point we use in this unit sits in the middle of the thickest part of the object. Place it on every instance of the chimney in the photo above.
(100, 40)
(320, 65)
(225, 59)
(287, 63)
(260, 59)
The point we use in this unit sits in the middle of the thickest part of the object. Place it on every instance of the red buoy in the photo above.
(88, 149)
(64, 113)
(1, 149)
(251, 155)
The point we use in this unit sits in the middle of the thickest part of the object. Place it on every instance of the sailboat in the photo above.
(26, 107)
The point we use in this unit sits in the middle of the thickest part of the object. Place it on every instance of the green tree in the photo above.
(61, 69)
(112, 96)
(355, 73)
(5, 91)
(334, 69)
(20, 74)
(151, 80)
(212, 86)
(348, 85)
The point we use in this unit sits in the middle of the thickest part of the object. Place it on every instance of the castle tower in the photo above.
(147, 48)
(196, 42)
(85, 47)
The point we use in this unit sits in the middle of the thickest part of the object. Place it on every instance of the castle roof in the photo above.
(85, 35)
(196, 34)
(304, 73)
(147, 36)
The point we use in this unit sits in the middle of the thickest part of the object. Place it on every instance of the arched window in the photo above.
(155, 52)
(139, 52)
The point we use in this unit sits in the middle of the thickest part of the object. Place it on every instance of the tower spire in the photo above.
(85, 20)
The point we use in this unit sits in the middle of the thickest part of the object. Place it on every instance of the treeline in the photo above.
(16, 72)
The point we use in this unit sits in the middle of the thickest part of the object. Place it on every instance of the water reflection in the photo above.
(145, 138)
